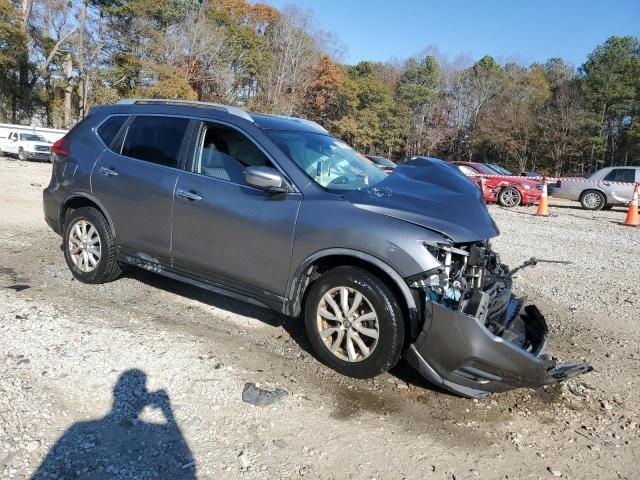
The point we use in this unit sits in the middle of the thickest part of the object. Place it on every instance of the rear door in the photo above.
(618, 185)
(224, 229)
(135, 180)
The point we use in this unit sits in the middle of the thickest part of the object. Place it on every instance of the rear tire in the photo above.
(367, 338)
(509, 197)
(592, 200)
(89, 247)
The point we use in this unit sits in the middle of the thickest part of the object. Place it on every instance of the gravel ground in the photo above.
(143, 377)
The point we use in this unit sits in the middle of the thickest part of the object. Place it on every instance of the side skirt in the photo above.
(213, 284)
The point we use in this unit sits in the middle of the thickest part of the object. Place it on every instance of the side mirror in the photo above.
(265, 178)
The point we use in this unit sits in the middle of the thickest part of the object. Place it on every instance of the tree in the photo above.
(611, 88)
(13, 57)
(472, 90)
(321, 99)
(419, 87)
(509, 121)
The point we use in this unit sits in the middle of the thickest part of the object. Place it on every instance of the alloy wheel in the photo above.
(347, 324)
(84, 246)
(510, 197)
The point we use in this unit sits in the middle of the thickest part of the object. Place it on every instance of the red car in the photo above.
(507, 190)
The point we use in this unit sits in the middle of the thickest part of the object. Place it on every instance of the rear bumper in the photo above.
(459, 353)
(50, 202)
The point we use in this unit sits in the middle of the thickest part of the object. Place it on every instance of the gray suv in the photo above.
(275, 211)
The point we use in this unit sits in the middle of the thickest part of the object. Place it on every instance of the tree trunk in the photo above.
(68, 91)
(81, 62)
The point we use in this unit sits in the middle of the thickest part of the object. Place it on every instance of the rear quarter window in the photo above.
(110, 128)
(155, 139)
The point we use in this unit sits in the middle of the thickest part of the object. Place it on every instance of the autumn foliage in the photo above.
(60, 57)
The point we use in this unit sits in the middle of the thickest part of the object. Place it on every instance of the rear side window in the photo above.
(110, 128)
(621, 175)
(155, 139)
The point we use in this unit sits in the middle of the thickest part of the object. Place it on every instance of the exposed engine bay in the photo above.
(478, 337)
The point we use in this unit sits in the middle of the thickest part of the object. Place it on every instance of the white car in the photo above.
(27, 146)
(602, 189)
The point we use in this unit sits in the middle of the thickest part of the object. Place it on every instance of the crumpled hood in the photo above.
(433, 194)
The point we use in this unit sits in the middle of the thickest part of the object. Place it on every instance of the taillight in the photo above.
(61, 147)
(558, 183)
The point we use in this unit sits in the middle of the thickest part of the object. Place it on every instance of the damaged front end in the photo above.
(478, 338)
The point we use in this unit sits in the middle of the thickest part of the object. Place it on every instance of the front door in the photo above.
(136, 184)
(226, 230)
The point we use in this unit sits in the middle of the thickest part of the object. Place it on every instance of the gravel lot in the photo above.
(72, 359)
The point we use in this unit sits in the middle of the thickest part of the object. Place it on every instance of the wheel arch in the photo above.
(79, 200)
(324, 260)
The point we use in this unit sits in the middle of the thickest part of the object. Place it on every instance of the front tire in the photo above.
(354, 322)
(21, 155)
(593, 200)
(89, 247)
(509, 197)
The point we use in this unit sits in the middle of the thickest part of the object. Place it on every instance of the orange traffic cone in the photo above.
(543, 206)
(632, 213)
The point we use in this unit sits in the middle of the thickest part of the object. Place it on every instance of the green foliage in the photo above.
(13, 53)
(611, 73)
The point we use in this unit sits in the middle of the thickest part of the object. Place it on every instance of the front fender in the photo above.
(297, 284)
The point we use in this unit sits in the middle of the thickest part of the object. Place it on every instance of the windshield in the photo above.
(30, 137)
(500, 169)
(484, 169)
(327, 161)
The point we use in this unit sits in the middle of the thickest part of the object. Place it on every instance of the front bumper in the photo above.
(458, 352)
(38, 155)
(531, 197)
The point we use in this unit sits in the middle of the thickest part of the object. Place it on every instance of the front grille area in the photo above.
(42, 148)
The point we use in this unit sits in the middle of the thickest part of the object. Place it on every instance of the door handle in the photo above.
(107, 172)
(194, 197)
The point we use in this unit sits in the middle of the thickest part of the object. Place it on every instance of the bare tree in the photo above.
(295, 52)
(562, 128)
(196, 47)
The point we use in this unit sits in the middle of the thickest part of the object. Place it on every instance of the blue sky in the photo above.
(523, 30)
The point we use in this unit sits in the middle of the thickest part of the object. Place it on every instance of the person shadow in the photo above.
(121, 445)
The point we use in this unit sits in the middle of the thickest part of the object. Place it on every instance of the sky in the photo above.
(525, 31)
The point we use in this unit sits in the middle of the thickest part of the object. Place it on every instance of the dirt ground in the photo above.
(64, 345)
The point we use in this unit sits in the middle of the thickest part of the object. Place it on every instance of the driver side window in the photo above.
(223, 152)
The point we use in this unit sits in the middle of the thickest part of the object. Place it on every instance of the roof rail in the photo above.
(303, 120)
(238, 112)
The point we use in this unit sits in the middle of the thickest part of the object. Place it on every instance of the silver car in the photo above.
(602, 189)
